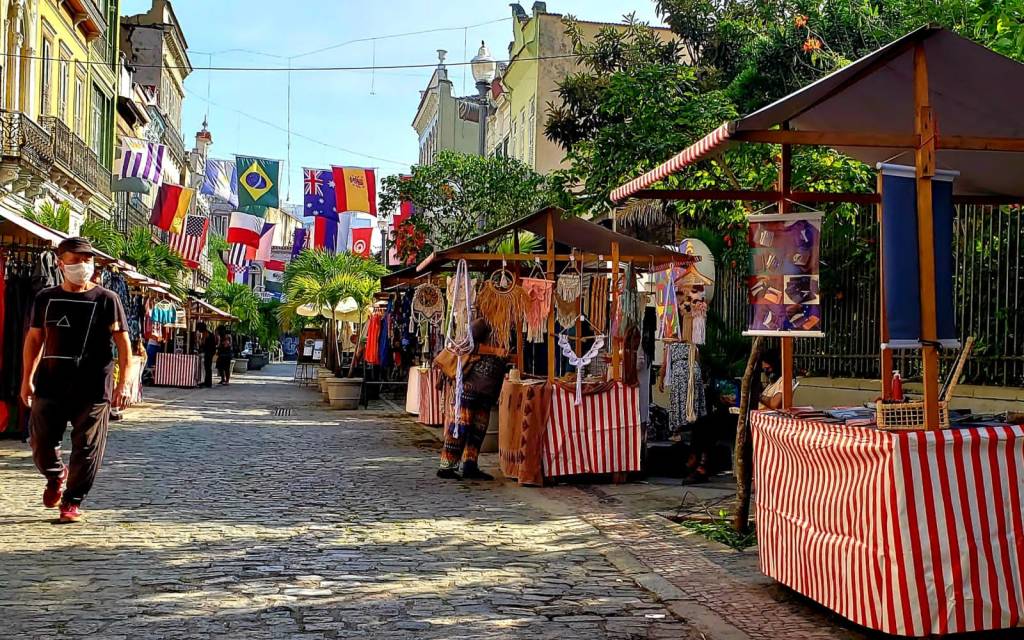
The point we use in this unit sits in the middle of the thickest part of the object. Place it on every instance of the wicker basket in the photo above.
(908, 416)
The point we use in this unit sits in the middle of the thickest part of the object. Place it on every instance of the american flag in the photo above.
(141, 159)
(189, 244)
(238, 259)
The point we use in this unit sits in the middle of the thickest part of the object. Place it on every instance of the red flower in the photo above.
(800, 22)
(812, 44)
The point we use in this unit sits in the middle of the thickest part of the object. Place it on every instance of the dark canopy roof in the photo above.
(582, 235)
(974, 91)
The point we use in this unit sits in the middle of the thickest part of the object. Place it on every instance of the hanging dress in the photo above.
(686, 396)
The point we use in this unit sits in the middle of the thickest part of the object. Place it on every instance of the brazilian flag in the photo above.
(257, 182)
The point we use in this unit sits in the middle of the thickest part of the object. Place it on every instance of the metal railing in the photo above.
(101, 50)
(129, 212)
(22, 138)
(988, 285)
(175, 144)
(76, 158)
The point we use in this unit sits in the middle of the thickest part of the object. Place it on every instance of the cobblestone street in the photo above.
(214, 517)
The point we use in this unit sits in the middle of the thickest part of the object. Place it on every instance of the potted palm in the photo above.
(320, 280)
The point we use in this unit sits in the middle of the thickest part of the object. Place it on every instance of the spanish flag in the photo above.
(171, 206)
(355, 189)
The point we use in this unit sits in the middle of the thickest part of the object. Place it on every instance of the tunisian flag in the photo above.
(245, 229)
(361, 241)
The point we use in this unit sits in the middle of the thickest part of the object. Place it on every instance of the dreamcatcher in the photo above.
(501, 302)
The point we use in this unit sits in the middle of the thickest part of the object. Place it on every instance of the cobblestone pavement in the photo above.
(214, 517)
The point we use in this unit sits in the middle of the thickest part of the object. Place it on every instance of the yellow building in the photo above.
(539, 58)
(59, 88)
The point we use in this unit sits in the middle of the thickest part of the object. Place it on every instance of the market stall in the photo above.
(573, 412)
(901, 517)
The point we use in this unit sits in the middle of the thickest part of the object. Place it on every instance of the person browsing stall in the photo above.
(68, 376)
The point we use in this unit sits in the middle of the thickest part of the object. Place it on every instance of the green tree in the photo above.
(459, 196)
(240, 301)
(322, 280)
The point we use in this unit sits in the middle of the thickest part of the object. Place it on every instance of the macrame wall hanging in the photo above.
(428, 303)
(598, 308)
(580, 361)
(501, 308)
(461, 297)
(459, 341)
(537, 298)
(568, 290)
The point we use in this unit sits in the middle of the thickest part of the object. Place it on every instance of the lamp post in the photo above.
(382, 223)
(484, 68)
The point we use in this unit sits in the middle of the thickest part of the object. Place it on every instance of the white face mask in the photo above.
(79, 273)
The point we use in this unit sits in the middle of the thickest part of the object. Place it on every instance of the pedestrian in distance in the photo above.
(68, 376)
(208, 347)
(225, 352)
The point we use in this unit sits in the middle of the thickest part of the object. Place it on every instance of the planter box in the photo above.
(258, 361)
(343, 393)
(241, 365)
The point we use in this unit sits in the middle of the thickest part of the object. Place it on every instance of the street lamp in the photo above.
(382, 224)
(484, 68)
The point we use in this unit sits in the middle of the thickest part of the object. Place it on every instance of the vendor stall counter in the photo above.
(912, 533)
(177, 370)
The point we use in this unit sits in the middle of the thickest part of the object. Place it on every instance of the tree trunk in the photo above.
(743, 462)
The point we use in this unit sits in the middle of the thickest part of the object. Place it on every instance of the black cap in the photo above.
(76, 245)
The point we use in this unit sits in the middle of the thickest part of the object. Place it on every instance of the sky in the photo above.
(355, 118)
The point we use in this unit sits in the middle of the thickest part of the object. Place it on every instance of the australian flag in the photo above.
(318, 190)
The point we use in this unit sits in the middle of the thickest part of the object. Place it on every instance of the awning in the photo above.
(577, 233)
(866, 111)
(203, 309)
(33, 228)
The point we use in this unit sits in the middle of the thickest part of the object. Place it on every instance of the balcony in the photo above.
(24, 140)
(88, 16)
(77, 161)
(129, 212)
(175, 144)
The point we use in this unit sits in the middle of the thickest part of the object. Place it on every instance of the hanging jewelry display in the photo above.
(501, 310)
(665, 304)
(428, 304)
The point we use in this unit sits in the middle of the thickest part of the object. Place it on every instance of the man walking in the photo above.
(67, 377)
(208, 347)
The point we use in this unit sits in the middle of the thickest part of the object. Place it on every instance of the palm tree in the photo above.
(58, 218)
(322, 280)
(104, 235)
(155, 260)
(240, 301)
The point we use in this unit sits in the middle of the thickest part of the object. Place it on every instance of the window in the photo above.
(79, 102)
(44, 83)
(101, 123)
(531, 129)
(65, 80)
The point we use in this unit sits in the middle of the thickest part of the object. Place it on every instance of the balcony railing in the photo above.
(129, 212)
(102, 51)
(71, 154)
(172, 138)
(22, 138)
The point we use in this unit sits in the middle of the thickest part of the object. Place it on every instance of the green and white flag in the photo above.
(258, 182)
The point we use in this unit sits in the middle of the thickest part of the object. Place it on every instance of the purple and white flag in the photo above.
(141, 159)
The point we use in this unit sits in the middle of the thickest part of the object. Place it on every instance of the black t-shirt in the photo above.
(78, 352)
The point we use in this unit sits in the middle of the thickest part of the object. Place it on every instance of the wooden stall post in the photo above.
(520, 337)
(785, 189)
(551, 276)
(579, 303)
(887, 356)
(924, 127)
(616, 356)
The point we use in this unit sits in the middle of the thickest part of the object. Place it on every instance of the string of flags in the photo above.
(251, 185)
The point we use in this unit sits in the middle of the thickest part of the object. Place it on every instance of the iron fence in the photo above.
(988, 284)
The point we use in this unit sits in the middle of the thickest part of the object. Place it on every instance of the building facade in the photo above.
(444, 121)
(59, 86)
(540, 57)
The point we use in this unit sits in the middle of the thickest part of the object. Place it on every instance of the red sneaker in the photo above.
(54, 489)
(70, 512)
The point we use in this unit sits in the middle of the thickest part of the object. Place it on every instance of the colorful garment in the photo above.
(372, 352)
(686, 397)
(471, 428)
